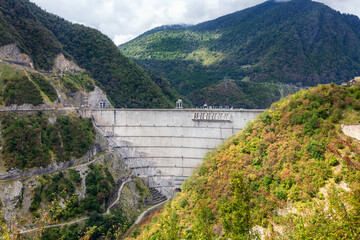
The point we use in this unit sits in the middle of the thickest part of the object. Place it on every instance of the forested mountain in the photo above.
(290, 174)
(43, 36)
(249, 58)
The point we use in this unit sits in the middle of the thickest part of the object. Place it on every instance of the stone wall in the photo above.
(164, 146)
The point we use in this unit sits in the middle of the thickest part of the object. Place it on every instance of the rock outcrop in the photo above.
(61, 64)
(10, 197)
(351, 130)
(93, 99)
(11, 53)
(97, 99)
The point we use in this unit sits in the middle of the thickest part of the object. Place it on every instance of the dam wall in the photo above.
(164, 146)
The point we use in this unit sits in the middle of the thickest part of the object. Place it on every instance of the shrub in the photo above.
(316, 150)
(135, 233)
(336, 116)
(338, 178)
(333, 161)
(235, 213)
(36, 202)
(281, 193)
(74, 176)
(311, 125)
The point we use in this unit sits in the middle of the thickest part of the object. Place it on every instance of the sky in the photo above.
(123, 20)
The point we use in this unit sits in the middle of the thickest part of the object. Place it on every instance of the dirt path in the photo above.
(60, 170)
(81, 219)
(138, 220)
(147, 211)
(55, 225)
(119, 195)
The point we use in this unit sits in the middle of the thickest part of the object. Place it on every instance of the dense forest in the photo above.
(290, 174)
(30, 140)
(43, 36)
(287, 44)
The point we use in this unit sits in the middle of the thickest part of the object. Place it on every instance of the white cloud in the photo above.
(121, 38)
(177, 10)
(123, 20)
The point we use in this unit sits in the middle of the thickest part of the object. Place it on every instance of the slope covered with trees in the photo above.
(298, 43)
(290, 174)
(29, 140)
(43, 36)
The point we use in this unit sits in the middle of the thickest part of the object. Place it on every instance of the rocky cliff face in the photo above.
(93, 99)
(97, 99)
(17, 195)
(351, 130)
(11, 53)
(61, 64)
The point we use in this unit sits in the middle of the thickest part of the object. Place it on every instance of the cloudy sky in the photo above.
(123, 20)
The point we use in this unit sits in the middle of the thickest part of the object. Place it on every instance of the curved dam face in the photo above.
(164, 146)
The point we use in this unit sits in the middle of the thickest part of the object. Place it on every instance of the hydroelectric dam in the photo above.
(163, 146)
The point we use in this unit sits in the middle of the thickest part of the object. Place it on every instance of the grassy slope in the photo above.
(299, 42)
(282, 172)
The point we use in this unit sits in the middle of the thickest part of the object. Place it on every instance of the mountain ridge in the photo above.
(43, 36)
(300, 43)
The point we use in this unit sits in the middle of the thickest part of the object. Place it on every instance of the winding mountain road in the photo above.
(55, 225)
(81, 219)
(119, 195)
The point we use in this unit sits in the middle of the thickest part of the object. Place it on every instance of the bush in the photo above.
(281, 193)
(311, 125)
(74, 176)
(338, 178)
(70, 85)
(316, 150)
(267, 181)
(29, 139)
(36, 202)
(336, 116)
(333, 161)
(135, 233)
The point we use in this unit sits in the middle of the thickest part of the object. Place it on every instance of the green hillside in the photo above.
(43, 36)
(286, 44)
(24, 86)
(30, 140)
(290, 174)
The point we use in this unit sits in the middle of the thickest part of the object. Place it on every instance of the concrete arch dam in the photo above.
(164, 146)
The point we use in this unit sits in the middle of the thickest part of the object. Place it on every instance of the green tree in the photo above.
(235, 212)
